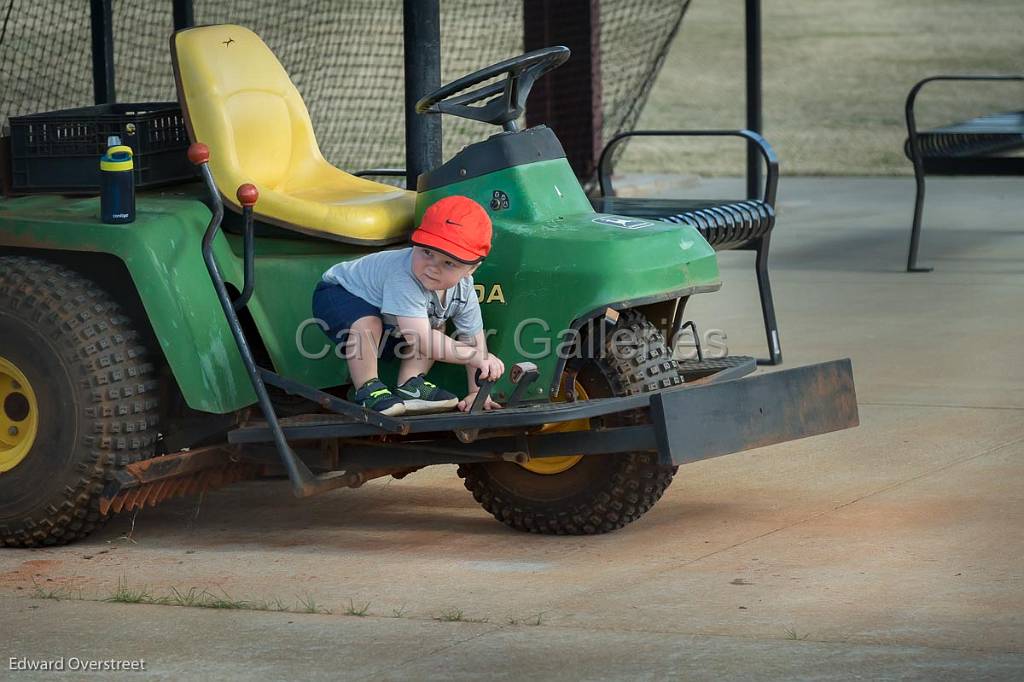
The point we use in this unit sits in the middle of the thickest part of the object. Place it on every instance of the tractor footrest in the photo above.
(693, 370)
(316, 426)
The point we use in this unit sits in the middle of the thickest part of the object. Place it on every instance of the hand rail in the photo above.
(767, 153)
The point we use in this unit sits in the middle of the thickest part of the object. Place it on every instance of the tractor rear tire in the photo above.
(89, 379)
(599, 493)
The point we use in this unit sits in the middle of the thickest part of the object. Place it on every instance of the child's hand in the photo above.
(468, 401)
(491, 367)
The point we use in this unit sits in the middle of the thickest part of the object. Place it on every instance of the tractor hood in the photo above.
(555, 261)
(549, 243)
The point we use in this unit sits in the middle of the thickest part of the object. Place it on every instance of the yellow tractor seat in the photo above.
(240, 102)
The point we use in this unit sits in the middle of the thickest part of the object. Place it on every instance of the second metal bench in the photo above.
(977, 146)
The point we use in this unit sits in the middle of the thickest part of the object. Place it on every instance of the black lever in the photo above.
(523, 374)
(247, 195)
(482, 395)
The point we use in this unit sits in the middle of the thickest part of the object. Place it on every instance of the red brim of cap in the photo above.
(448, 248)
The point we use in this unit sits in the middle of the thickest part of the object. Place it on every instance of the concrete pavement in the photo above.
(890, 551)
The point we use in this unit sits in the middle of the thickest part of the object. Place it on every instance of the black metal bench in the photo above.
(977, 146)
(726, 224)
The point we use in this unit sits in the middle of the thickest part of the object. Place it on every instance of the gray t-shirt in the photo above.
(385, 280)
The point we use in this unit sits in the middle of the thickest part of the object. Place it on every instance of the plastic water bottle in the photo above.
(117, 183)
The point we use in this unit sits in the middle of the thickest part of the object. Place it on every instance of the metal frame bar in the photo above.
(507, 448)
(101, 22)
(102, 27)
(422, 40)
(917, 159)
(677, 329)
(764, 291)
(754, 117)
(184, 14)
(382, 172)
(569, 99)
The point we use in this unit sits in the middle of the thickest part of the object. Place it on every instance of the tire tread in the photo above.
(638, 481)
(116, 390)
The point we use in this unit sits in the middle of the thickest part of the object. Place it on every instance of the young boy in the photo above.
(415, 291)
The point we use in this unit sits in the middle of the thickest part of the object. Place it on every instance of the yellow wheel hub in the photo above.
(556, 465)
(19, 416)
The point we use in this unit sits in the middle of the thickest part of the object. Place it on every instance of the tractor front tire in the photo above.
(78, 398)
(597, 493)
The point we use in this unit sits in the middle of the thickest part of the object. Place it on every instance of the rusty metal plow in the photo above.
(184, 473)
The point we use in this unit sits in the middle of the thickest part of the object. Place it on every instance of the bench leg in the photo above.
(764, 287)
(915, 230)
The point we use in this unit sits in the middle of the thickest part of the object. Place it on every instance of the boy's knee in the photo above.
(368, 324)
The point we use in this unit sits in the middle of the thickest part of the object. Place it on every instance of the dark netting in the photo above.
(344, 57)
(635, 37)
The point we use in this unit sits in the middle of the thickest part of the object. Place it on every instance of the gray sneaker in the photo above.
(421, 396)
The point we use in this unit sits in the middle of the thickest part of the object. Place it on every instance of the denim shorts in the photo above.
(339, 309)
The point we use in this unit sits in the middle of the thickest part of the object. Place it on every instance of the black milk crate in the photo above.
(59, 151)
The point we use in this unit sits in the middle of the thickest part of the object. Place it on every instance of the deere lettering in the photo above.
(492, 295)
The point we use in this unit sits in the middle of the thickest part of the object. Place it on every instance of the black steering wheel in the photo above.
(522, 71)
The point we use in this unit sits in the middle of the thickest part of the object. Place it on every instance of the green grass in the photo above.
(836, 74)
(454, 615)
(194, 597)
(205, 600)
(126, 594)
(58, 593)
(357, 610)
(308, 605)
(198, 598)
(451, 615)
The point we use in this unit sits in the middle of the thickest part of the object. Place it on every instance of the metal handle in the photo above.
(247, 195)
(523, 375)
(483, 393)
(771, 180)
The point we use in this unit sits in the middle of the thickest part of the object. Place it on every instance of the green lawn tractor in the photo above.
(177, 353)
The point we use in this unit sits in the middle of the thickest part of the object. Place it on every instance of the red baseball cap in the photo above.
(457, 227)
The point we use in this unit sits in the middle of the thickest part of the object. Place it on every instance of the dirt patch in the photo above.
(29, 570)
